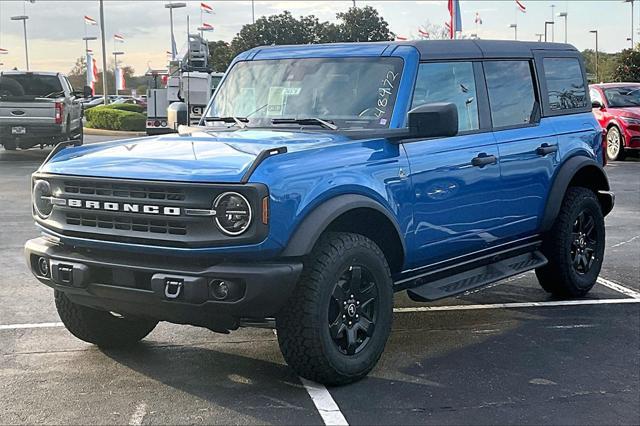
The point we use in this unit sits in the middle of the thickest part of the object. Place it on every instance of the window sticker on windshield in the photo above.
(385, 93)
(292, 91)
(275, 101)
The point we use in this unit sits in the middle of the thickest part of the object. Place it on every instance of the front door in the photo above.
(455, 180)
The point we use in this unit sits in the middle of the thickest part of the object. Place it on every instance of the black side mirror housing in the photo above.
(596, 104)
(177, 115)
(87, 92)
(433, 120)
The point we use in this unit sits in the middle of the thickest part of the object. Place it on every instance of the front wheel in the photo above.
(574, 246)
(615, 144)
(335, 326)
(101, 328)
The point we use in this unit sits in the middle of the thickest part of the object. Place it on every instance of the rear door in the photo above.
(456, 204)
(527, 145)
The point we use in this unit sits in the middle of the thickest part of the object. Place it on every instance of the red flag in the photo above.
(206, 8)
(521, 7)
(89, 20)
(401, 38)
(118, 37)
(206, 27)
(423, 33)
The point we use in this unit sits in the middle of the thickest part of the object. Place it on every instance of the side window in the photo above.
(595, 96)
(449, 82)
(511, 95)
(565, 84)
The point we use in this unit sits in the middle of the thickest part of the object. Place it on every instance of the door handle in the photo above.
(545, 149)
(483, 160)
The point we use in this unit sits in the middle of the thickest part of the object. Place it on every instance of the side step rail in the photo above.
(477, 277)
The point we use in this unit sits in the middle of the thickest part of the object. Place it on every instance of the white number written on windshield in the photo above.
(384, 94)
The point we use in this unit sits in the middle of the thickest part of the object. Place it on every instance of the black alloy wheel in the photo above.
(584, 244)
(353, 309)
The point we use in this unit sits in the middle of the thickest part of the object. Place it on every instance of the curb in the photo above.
(102, 132)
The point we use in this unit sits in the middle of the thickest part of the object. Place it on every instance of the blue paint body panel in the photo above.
(443, 206)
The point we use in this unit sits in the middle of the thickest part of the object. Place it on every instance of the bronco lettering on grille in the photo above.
(124, 207)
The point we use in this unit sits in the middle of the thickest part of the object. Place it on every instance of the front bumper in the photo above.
(175, 290)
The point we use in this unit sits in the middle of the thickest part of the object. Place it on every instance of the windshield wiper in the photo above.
(312, 121)
(238, 121)
(58, 93)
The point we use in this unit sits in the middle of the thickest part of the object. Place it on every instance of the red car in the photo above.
(617, 108)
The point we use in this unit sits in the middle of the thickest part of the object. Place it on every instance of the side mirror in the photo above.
(87, 92)
(177, 115)
(596, 104)
(433, 120)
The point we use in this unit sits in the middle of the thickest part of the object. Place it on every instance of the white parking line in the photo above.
(326, 406)
(625, 242)
(619, 288)
(27, 326)
(138, 415)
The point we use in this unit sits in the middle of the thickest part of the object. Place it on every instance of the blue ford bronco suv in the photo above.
(321, 180)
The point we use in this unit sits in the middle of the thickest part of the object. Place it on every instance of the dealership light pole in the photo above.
(104, 54)
(546, 23)
(24, 18)
(172, 6)
(515, 28)
(539, 35)
(564, 15)
(115, 69)
(596, 33)
(87, 39)
(631, 1)
(553, 30)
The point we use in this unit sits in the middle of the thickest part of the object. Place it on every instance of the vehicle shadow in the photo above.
(265, 390)
(27, 155)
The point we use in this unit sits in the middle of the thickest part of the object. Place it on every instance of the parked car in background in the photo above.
(134, 101)
(617, 108)
(38, 108)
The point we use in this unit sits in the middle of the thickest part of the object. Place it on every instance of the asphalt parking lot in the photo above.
(508, 354)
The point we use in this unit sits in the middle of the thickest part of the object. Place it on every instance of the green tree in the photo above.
(628, 68)
(220, 55)
(363, 24)
(78, 74)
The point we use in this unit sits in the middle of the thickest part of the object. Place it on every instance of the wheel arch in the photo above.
(577, 171)
(350, 213)
(616, 124)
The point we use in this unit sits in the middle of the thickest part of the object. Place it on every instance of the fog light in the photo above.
(219, 289)
(43, 266)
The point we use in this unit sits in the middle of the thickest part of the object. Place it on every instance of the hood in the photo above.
(633, 112)
(212, 157)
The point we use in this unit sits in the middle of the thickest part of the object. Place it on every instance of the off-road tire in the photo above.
(303, 324)
(560, 277)
(619, 155)
(100, 327)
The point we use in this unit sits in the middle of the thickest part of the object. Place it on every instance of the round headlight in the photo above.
(42, 198)
(233, 213)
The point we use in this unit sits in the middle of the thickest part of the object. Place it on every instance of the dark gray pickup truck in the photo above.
(38, 108)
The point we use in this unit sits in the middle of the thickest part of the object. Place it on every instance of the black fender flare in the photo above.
(314, 224)
(562, 180)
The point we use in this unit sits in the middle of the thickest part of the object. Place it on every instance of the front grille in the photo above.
(98, 222)
(125, 223)
(108, 189)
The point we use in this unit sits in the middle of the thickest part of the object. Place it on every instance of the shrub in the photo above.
(127, 107)
(105, 117)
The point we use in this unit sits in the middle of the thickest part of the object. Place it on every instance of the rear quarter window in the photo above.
(566, 88)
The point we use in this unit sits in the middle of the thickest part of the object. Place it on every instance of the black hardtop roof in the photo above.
(434, 49)
(467, 49)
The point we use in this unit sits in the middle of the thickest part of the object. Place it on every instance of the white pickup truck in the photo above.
(38, 108)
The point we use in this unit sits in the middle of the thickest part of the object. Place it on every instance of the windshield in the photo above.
(348, 92)
(29, 85)
(620, 97)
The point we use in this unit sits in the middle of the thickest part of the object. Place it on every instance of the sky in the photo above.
(55, 28)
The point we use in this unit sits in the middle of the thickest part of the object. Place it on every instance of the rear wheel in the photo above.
(101, 328)
(336, 324)
(615, 144)
(574, 246)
